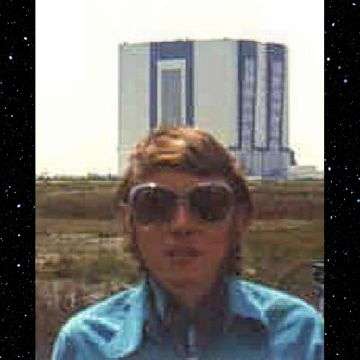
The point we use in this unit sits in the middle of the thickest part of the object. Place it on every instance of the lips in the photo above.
(182, 253)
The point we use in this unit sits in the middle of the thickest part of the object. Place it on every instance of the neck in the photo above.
(208, 299)
(193, 305)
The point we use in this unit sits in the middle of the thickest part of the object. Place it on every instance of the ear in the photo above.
(125, 219)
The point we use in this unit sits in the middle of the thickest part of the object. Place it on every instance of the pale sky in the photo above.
(77, 68)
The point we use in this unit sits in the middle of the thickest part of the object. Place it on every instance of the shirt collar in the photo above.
(241, 302)
(244, 302)
(160, 298)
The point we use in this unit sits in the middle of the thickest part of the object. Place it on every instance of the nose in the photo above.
(181, 220)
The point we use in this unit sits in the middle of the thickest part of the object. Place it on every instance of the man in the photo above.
(186, 207)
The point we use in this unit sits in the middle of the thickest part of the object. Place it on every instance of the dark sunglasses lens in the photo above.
(153, 204)
(211, 203)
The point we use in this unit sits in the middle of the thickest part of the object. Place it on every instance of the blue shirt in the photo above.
(266, 324)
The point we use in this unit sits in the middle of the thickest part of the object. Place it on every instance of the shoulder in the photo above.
(273, 303)
(105, 311)
(291, 322)
(98, 324)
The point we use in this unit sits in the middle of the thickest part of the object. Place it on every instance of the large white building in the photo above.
(235, 89)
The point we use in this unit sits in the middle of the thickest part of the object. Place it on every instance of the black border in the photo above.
(342, 175)
(17, 254)
(342, 179)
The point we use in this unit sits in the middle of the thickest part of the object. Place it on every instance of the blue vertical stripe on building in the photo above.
(190, 84)
(240, 75)
(153, 87)
(275, 52)
(246, 49)
(168, 51)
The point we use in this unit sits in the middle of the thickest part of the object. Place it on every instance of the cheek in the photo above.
(217, 244)
(218, 249)
(149, 241)
(219, 236)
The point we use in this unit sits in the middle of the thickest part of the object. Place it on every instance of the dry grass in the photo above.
(300, 200)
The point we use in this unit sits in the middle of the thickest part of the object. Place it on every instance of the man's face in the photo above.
(184, 254)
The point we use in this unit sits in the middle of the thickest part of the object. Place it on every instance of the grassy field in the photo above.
(81, 256)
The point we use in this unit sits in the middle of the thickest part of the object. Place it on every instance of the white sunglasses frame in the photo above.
(180, 197)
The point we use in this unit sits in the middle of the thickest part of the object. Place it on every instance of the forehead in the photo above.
(179, 180)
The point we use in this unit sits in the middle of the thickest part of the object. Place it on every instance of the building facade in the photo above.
(235, 89)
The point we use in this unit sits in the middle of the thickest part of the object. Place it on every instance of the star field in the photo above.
(342, 174)
(17, 180)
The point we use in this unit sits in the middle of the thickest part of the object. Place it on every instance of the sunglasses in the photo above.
(207, 202)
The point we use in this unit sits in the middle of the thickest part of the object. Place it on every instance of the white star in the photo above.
(329, 168)
(10, 57)
(345, 81)
(328, 59)
(25, 37)
(18, 205)
(18, 265)
(333, 24)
